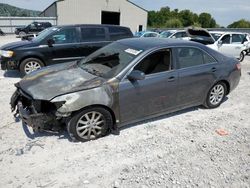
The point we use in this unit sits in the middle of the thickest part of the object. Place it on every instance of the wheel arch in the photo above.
(31, 56)
(227, 85)
(100, 106)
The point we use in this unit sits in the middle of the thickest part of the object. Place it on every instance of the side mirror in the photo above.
(220, 42)
(136, 75)
(246, 43)
(50, 42)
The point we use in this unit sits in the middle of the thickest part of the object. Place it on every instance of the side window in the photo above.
(154, 63)
(184, 34)
(237, 38)
(208, 58)
(226, 39)
(33, 26)
(189, 57)
(65, 36)
(118, 33)
(147, 35)
(93, 34)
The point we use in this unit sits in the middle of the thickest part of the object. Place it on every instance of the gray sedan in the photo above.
(125, 82)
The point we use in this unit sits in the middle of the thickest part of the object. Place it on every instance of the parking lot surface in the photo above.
(181, 149)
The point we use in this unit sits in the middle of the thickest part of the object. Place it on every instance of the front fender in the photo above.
(78, 100)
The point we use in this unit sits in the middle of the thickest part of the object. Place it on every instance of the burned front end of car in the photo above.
(38, 114)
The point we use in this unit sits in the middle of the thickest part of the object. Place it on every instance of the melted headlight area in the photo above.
(38, 114)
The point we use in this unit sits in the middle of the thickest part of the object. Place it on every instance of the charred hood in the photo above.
(47, 83)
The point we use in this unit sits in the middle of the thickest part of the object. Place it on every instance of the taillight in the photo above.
(238, 66)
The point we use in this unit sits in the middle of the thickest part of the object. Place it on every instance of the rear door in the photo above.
(238, 43)
(92, 38)
(197, 72)
(117, 33)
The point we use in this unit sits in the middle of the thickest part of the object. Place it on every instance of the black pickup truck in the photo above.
(33, 28)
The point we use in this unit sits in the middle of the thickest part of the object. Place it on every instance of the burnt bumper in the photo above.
(29, 117)
(38, 122)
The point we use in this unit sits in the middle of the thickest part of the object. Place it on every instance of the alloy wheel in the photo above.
(216, 95)
(90, 125)
(31, 66)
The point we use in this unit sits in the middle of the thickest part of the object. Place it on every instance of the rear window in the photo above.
(117, 33)
(189, 57)
(92, 34)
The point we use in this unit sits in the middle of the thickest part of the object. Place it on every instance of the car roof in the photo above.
(226, 32)
(150, 32)
(149, 43)
(91, 25)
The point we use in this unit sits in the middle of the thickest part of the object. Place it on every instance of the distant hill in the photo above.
(8, 10)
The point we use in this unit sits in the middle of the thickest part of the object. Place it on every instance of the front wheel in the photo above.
(29, 65)
(242, 56)
(89, 124)
(216, 95)
(22, 34)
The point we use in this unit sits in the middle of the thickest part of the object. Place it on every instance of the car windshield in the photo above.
(166, 34)
(42, 35)
(110, 60)
(138, 34)
(216, 36)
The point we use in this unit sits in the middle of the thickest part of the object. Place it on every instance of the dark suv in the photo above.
(33, 28)
(59, 44)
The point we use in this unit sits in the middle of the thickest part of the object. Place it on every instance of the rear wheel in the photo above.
(29, 65)
(242, 56)
(216, 95)
(89, 124)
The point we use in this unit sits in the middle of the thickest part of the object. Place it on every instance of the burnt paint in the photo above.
(58, 80)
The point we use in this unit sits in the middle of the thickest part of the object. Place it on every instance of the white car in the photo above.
(146, 34)
(175, 34)
(229, 43)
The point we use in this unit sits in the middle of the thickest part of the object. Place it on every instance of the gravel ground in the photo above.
(178, 150)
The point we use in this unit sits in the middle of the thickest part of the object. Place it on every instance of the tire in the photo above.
(29, 65)
(216, 95)
(98, 123)
(242, 56)
(21, 34)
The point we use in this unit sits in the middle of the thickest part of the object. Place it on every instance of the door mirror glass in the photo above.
(220, 42)
(136, 75)
(50, 42)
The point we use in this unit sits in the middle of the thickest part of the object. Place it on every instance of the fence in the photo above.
(8, 24)
(244, 30)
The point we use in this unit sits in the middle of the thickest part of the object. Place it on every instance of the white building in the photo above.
(117, 12)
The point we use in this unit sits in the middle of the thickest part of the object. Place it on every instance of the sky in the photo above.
(224, 11)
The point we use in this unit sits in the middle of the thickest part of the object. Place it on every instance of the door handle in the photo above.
(213, 69)
(171, 79)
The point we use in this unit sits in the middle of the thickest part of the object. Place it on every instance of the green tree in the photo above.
(205, 19)
(240, 24)
(187, 17)
(173, 23)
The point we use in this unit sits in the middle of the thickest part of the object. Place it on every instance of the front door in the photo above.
(228, 48)
(155, 94)
(66, 45)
